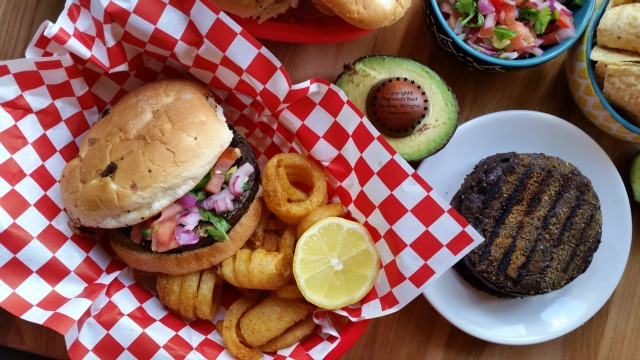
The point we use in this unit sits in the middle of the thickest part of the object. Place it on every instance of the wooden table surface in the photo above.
(417, 331)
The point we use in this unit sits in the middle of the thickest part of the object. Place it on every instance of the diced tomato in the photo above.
(224, 163)
(452, 20)
(496, 4)
(563, 21)
(486, 32)
(162, 236)
(523, 39)
(136, 231)
(508, 10)
(550, 38)
(169, 212)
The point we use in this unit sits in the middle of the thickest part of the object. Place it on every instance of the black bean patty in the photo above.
(541, 220)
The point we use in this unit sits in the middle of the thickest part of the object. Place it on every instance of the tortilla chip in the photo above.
(622, 89)
(614, 3)
(619, 27)
(600, 71)
(613, 56)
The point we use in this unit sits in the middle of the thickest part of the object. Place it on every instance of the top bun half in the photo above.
(366, 14)
(258, 9)
(152, 147)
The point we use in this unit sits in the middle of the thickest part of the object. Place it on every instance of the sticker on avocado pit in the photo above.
(397, 106)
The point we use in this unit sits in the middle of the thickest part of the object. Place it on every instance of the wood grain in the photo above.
(417, 331)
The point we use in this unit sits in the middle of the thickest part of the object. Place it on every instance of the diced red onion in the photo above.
(190, 218)
(239, 178)
(536, 51)
(486, 46)
(185, 236)
(539, 5)
(509, 55)
(564, 34)
(563, 10)
(446, 8)
(188, 200)
(484, 49)
(485, 7)
(458, 28)
(222, 201)
(489, 21)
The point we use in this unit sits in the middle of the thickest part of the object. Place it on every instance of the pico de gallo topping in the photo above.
(509, 29)
(212, 196)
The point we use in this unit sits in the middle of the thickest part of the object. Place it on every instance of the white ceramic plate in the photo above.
(544, 317)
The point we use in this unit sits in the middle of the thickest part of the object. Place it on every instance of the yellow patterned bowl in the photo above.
(585, 90)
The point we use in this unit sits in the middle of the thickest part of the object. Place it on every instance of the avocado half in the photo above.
(442, 116)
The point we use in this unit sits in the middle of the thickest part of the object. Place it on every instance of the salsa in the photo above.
(509, 29)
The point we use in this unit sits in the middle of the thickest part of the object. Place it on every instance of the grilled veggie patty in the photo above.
(540, 218)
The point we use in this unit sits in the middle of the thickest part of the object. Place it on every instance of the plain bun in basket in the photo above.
(145, 170)
(365, 14)
(257, 9)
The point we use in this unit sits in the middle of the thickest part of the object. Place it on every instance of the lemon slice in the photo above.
(335, 263)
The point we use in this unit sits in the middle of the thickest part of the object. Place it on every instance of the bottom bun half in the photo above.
(186, 262)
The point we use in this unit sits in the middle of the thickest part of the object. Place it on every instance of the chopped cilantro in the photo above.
(469, 8)
(202, 182)
(219, 226)
(146, 232)
(199, 194)
(229, 173)
(504, 32)
(540, 18)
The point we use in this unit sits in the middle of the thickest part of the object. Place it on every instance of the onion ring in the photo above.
(229, 330)
(278, 195)
(189, 294)
(317, 214)
(292, 335)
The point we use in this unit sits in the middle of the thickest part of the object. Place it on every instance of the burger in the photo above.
(366, 14)
(257, 9)
(175, 187)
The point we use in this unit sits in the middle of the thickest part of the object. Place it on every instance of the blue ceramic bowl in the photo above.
(585, 89)
(479, 61)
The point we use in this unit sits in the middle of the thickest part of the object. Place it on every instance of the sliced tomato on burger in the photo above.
(162, 235)
(220, 169)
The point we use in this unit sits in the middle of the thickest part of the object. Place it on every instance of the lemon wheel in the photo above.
(335, 263)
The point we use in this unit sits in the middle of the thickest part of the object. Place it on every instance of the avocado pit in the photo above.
(396, 106)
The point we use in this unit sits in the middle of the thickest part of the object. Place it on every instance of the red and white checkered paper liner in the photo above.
(96, 52)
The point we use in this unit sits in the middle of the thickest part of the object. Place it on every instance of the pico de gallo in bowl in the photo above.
(507, 34)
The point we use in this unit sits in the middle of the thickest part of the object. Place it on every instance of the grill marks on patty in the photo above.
(540, 218)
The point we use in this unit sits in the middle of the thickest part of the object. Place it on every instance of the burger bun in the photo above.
(152, 147)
